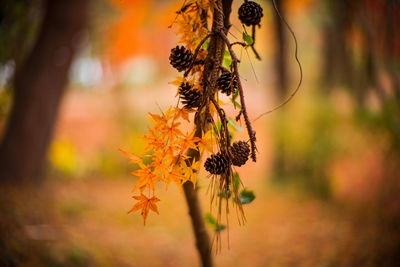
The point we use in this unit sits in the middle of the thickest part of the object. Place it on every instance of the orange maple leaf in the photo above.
(175, 177)
(182, 113)
(172, 130)
(146, 178)
(161, 163)
(189, 141)
(145, 204)
(153, 141)
(134, 158)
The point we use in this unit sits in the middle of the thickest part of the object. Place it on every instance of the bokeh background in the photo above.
(327, 177)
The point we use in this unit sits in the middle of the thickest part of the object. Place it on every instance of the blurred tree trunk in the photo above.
(337, 65)
(38, 88)
(280, 56)
(392, 38)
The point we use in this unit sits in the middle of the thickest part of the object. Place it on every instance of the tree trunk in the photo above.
(38, 88)
(337, 66)
(215, 54)
(280, 56)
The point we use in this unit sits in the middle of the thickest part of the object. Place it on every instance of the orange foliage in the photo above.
(127, 36)
(140, 28)
(145, 204)
(164, 158)
(167, 160)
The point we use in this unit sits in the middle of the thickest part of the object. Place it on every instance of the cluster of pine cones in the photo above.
(181, 59)
(219, 163)
(250, 14)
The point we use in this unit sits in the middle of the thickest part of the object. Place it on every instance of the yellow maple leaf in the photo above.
(191, 171)
(178, 81)
(145, 204)
(176, 177)
(207, 142)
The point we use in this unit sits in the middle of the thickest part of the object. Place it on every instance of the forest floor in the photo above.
(79, 217)
(87, 225)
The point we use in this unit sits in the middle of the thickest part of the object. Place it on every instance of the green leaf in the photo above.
(205, 44)
(236, 179)
(225, 195)
(210, 219)
(219, 228)
(217, 128)
(247, 38)
(233, 125)
(226, 53)
(213, 222)
(236, 104)
(235, 96)
(246, 196)
(227, 62)
(227, 59)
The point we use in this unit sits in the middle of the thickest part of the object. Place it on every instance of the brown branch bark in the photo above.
(210, 75)
(249, 128)
(38, 88)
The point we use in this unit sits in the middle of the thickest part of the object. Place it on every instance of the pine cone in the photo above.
(180, 58)
(190, 96)
(240, 151)
(217, 164)
(226, 84)
(250, 13)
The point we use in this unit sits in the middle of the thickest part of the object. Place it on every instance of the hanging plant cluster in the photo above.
(209, 66)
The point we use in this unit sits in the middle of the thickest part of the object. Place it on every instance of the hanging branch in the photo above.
(249, 127)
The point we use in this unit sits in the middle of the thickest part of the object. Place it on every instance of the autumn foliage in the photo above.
(163, 158)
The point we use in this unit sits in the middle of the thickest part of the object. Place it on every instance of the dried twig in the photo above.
(235, 61)
(253, 35)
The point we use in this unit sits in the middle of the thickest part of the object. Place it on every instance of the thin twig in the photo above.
(239, 43)
(177, 14)
(250, 131)
(253, 35)
(298, 63)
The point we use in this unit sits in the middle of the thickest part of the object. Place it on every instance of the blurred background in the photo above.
(327, 177)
